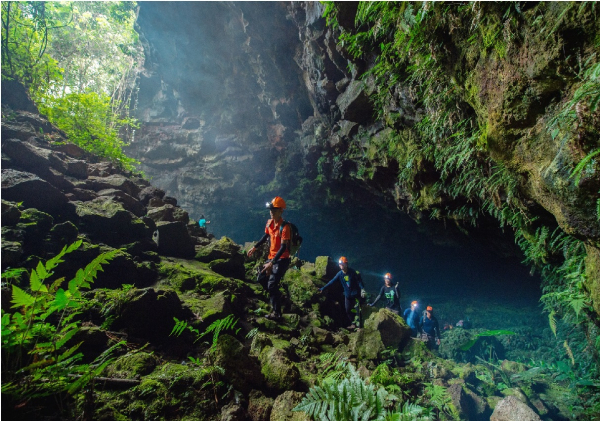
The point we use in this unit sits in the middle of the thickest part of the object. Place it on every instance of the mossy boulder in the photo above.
(224, 248)
(172, 389)
(224, 257)
(209, 308)
(260, 342)
(132, 366)
(325, 268)
(242, 370)
(190, 275)
(10, 213)
(148, 314)
(280, 373)
(382, 329)
(105, 220)
(284, 405)
(259, 406)
(301, 288)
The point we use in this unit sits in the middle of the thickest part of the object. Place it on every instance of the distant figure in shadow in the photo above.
(278, 261)
(202, 222)
(412, 318)
(430, 328)
(354, 291)
(391, 294)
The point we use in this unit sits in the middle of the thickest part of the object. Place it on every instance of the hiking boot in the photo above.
(273, 316)
(351, 327)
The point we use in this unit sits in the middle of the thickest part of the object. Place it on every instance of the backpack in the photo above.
(296, 240)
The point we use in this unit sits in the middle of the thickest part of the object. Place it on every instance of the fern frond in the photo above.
(552, 321)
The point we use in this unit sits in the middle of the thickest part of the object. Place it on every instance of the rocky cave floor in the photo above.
(168, 269)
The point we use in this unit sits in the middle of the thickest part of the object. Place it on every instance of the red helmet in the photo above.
(429, 308)
(414, 303)
(343, 261)
(277, 202)
(388, 276)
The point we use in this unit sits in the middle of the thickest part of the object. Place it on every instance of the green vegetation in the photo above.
(78, 61)
(40, 355)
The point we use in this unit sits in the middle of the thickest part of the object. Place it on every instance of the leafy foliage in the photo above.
(39, 358)
(79, 61)
(349, 399)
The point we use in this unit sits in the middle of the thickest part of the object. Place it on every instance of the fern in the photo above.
(552, 321)
(37, 358)
(348, 399)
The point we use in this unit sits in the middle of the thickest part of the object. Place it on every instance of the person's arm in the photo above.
(397, 292)
(335, 278)
(378, 297)
(360, 281)
(258, 244)
(436, 329)
(281, 250)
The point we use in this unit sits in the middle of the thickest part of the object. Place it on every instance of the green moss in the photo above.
(280, 373)
(132, 365)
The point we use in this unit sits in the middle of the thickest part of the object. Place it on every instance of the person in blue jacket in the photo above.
(412, 318)
(430, 328)
(354, 291)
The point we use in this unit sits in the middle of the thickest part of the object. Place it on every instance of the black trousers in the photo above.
(271, 283)
(350, 303)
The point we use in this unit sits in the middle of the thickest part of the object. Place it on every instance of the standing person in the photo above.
(391, 294)
(430, 328)
(354, 291)
(412, 318)
(202, 222)
(278, 262)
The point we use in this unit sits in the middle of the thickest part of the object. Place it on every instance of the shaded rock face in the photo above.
(220, 99)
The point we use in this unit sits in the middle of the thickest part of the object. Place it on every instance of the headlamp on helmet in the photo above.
(343, 261)
(388, 276)
(276, 203)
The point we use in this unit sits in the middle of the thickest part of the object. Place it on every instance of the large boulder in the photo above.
(284, 405)
(130, 203)
(243, 371)
(173, 239)
(280, 374)
(259, 406)
(224, 258)
(301, 289)
(168, 213)
(512, 409)
(148, 314)
(21, 186)
(382, 329)
(207, 310)
(325, 268)
(105, 220)
(113, 181)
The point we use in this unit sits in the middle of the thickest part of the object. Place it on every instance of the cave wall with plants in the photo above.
(478, 114)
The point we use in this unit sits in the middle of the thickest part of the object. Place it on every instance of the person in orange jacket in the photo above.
(278, 260)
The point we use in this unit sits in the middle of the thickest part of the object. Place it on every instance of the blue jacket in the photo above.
(351, 281)
(430, 326)
(412, 319)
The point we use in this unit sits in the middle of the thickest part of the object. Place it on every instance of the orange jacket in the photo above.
(273, 230)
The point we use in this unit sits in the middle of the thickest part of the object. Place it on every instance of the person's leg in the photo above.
(349, 304)
(359, 303)
(279, 270)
